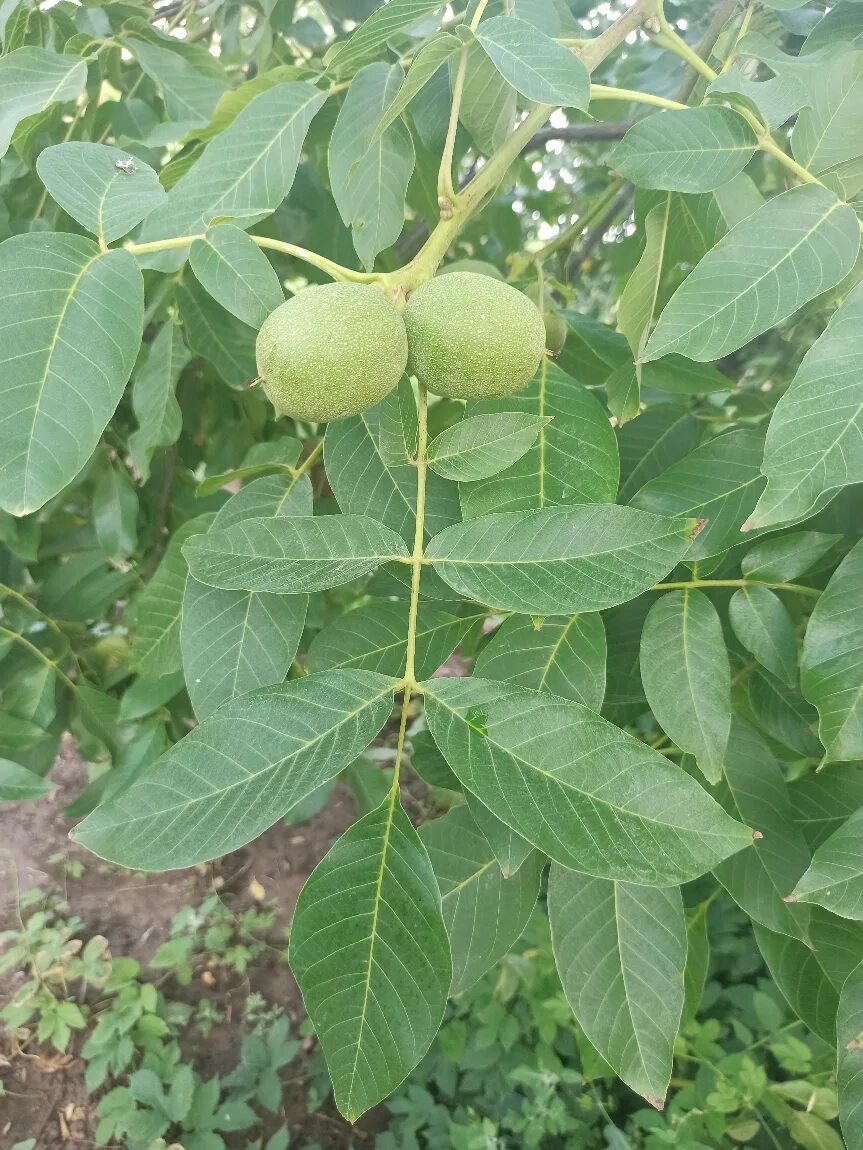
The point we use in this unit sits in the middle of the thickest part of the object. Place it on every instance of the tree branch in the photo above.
(577, 134)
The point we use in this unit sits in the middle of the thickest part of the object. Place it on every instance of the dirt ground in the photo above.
(45, 1095)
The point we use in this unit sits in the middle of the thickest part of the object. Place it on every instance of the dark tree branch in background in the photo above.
(577, 133)
(593, 239)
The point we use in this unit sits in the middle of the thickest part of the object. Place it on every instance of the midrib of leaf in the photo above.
(474, 876)
(550, 661)
(555, 779)
(527, 562)
(221, 256)
(373, 936)
(52, 347)
(101, 209)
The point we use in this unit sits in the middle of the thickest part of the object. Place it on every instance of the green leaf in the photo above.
(154, 401)
(18, 784)
(483, 445)
(509, 849)
(237, 274)
(694, 150)
(31, 80)
(364, 484)
(369, 180)
(763, 626)
(239, 771)
(687, 678)
(815, 438)
(638, 300)
(652, 443)
(291, 556)
(798, 245)
(189, 95)
(156, 645)
(564, 656)
(786, 557)
(828, 130)
(374, 637)
(759, 879)
(834, 879)
(488, 104)
(822, 801)
(561, 559)
(831, 662)
(398, 425)
(623, 393)
(697, 960)
(424, 65)
(849, 1027)
(810, 976)
(69, 314)
(485, 913)
(373, 34)
(592, 797)
(211, 332)
(370, 953)
(620, 951)
(235, 641)
(783, 714)
(246, 171)
(718, 482)
(276, 456)
(574, 460)
(537, 67)
(89, 184)
(115, 512)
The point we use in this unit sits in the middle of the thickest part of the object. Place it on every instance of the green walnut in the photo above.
(331, 352)
(479, 266)
(473, 337)
(556, 329)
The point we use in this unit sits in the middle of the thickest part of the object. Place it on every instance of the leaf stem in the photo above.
(309, 462)
(337, 271)
(667, 37)
(602, 92)
(797, 588)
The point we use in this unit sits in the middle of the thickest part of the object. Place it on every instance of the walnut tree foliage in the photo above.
(649, 560)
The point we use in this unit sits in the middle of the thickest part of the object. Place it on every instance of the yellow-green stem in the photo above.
(409, 683)
(797, 588)
(632, 96)
(16, 637)
(309, 462)
(594, 211)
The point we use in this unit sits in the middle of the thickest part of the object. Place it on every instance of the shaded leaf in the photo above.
(154, 401)
(564, 656)
(763, 626)
(18, 784)
(32, 79)
(485, 914)
(687, 678)
(483, 445)
(831, 662)
(620, 951)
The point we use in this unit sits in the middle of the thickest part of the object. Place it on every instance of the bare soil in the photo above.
(45, 1095)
